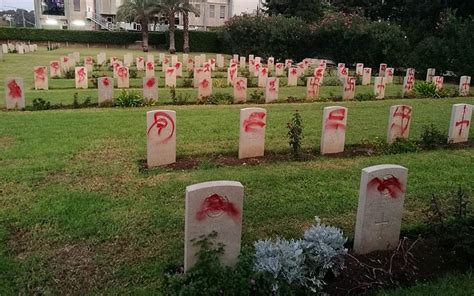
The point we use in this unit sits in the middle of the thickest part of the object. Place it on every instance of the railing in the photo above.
(101, 21)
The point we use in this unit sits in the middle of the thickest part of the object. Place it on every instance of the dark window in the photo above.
(52, 7)
(77, 5)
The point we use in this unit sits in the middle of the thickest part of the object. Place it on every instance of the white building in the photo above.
(101, 15)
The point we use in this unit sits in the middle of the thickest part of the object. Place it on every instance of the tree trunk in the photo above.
(186, 32)
(145, 36)
(172, 29)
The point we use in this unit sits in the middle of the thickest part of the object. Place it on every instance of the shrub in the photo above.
(402, 146)
(71, 74)
(40, 104)
(179, 99)
(332, 81)
(295, 134)
(217, 99)
(365, 97)
(431, 137)
(129, 99)
(303, 262)
(188, 83)
(257, 97)
(132, 73)
(425, 89)
(77, 105)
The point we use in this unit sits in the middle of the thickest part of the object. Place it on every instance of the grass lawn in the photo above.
(77, 215)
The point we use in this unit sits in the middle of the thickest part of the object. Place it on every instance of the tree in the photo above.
(308, 10)
(170, 8)
(139, 11)
(186, 27)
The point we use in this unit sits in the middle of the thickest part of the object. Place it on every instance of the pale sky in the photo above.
(239, 5)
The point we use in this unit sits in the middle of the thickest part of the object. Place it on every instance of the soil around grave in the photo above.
(413, 261)
(195, 162)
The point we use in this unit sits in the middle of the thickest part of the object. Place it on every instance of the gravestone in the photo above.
(334, 130)
(349, 88)
(389, 75)
(257, 67)
(105, 87)
(399, 121)
(382, 69)
(81, 77)
(128, 59)
(271, 90)
(185, 58)
(101, 58)
(340, 69)
(207, 66)
(20, 49)
(161, 137)
(242, 62)
(89, 63)
(262, 77)
(301, 68)
(150, 89)
(150, 59)
(65, 64)
(379, 87)
(14, 93)
(380, 209)
(113, 60)
(5, 48)
(359, 69)
(161, 57)
(170, 77)
(288, 63)
(461, 121)
(252, 132)
(410, 72)
(220, 61)
(319, 73)
(150, 69)
(231, 75)
(312, 88)
(174, 59)
(203, 58)
(252, 66)
(205, 88)
(165, 64)
(123, 77)
(214, 207)
(367, 76)
(179, 69)
(438, 82)
(292, 77)
(77, 56)
(271, 63)
(40, 77)
(464, 85)
(55, 69)
(279, 68)
(251, 57)
(212, 62)
(140, 61)
(240, 90)
(323, 63)
(408, 84)
(190, 64)
(197, 61)
(430, 73)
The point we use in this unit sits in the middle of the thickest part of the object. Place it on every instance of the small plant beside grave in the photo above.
(431, 137)
(256, 97)
(217, 99)
(129, 99)
(295, 134)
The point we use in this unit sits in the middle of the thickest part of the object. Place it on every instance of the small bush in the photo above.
(257, 97)
(295, 134)
(402, 146)
(425, 89)
(292, 99)
(71, 74)
(332, 81)
(78, 105)
(132, 73)
(179, 99)
(129, 99)
(40, 104)
(188, 83)
(431, 137)
(217, 99)
(365, 97)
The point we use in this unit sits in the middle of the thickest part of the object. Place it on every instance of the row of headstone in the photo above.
(217, 207)
(20, 48)
(161, 131)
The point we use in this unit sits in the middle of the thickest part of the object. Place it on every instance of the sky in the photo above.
(239, 5)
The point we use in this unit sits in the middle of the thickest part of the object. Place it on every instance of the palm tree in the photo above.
(172, 7)
(139, 11)
(186, 27)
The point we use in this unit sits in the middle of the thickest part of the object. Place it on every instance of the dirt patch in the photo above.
(415, 260)
(6, 141)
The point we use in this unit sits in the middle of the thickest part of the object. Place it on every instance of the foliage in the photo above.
(452, 224)
(256, 97)
(217, 99)
(305, 262)
(365, 97)
(77, 105)
(402, 145)
(295, 134)
(71, 74)
(179, 99)
(41, 104)
(431, 137)
(129, 99)
(308, 10)
(425, 89)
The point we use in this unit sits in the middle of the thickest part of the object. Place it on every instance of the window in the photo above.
(77, 5)
(222, 12)
(52, 7)
(198, 8)
(212, 11)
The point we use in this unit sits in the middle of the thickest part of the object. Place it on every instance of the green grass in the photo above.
(453, 284)
(77, 215)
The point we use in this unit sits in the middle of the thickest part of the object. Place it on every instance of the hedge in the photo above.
(200, 41)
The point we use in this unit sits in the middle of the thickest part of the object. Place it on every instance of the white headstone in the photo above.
(312, 88)
(319, 74)
(231, 75)
(464, 86)
(399, 122)
(41, 77)
(81, 77)
(123, 77)
(408, 84)
(14, 93)
(271, 90)
(438, 82)
(220, 61)
(262, 77)
(161, 137)
(379, 87)
(389, 75)
(105, 87)
(242, 63)
(430, 73)
(360, 69)
(205, 88)
(190, 64)
(151, 59)
(179, 69)
(410, 72)
(174, 59)
(5, 48)
(367, 76)
(252, 132)
(292, 77)
(55, 69)
(150, 69)
(380, 209)
(165, 64)
(271, 63)
(240, 90)
(334, 130)
(461, 121)
(89, 63)
(382, 69)
(214, 207)
(150, 89)
(349, 88)
(170, 77)
(77, 56)
(140, 61)
(279, 69)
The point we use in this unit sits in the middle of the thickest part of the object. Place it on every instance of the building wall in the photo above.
(213, 13)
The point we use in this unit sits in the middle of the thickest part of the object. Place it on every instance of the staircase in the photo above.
(102, 22)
